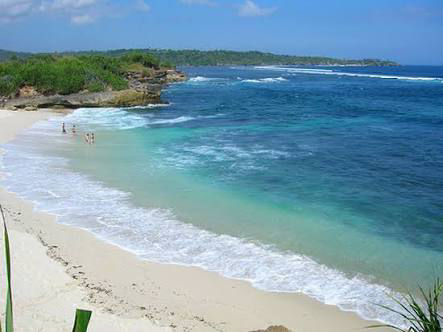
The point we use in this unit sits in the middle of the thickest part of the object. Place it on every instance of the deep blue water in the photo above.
(368, 146)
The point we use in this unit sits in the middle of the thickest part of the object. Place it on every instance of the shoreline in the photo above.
(183, 298)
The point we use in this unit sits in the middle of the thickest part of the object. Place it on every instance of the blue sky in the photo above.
(408, 31)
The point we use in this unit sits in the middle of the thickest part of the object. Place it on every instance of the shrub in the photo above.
(50, 74)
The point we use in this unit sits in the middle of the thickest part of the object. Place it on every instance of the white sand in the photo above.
(44, 295)
(57, 268)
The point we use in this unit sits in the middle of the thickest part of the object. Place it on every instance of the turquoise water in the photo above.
(326, 181)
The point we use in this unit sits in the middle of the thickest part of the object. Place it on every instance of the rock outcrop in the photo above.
(143, 88)
(274, 329)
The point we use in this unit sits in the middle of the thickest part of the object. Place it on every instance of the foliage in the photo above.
(81, 322)
(170, 58)
(49, 73)
(223, 57)
(421, 318)
(9, 326)
(145, 59)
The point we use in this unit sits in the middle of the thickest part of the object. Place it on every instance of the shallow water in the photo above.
(326, 181)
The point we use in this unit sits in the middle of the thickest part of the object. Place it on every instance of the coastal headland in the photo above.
(50, 81)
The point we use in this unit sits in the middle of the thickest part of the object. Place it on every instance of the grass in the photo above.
(81, 322)
(421, 317)
(82, 317)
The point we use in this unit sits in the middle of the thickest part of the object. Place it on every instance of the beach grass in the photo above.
(81, 322)
(421, 317)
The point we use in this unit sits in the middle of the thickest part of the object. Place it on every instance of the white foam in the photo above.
(332, 72)
(172, 121)
(147, 106)
(183, 119)
(107, 118)
(120, 118)
(157, 235)
(265, 80)
(204, 79)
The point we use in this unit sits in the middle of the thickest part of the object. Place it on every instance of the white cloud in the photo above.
(143, 6)
(10, 10)
(82, 19)
(249, 8)
(199, 2)
(66, 4)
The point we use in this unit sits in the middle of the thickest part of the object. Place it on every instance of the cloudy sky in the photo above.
(408, 31)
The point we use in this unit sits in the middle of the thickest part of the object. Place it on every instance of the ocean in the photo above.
(326, 181)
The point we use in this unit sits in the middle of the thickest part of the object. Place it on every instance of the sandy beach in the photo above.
(57, 268)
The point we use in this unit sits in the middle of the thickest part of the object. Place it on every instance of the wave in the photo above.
(107, 118)
(157, 235)
(121, 119)
(265, 80)
(184, 119)
(204, 79)
(332, 72)
(147, 106)
(174, 120)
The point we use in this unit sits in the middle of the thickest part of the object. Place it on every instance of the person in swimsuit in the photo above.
(63, 128)
(87, 139)
(92, 138)
(74, 131)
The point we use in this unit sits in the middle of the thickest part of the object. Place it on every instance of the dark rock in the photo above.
(274, 329)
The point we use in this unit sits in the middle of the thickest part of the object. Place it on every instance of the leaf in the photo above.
(423, 318)
(81, 322)
(9, 326)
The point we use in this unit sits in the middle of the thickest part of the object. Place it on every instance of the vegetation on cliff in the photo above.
(67, 74)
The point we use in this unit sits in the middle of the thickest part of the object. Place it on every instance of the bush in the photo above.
(50, 74)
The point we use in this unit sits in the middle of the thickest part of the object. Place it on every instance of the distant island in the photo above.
(225, 57)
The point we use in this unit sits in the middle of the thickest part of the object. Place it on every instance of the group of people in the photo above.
(89, 137)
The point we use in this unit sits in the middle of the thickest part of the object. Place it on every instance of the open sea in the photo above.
(326, 181)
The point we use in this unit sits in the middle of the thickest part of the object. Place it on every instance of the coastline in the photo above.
(117, 282)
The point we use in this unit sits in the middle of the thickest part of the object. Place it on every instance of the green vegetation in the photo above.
(66, 74)
(81, 322)
(169, 58)
(221, 57)
(7, 55)
(9, 326)
(421, 318)
(82, 317)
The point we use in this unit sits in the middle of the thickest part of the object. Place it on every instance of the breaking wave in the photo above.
(265, 80)
(338, 73)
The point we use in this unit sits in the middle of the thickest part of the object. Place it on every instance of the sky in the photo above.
(406, 31)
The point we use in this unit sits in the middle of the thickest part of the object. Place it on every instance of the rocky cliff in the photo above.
(144, 87)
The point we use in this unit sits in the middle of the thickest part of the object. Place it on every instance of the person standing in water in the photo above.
(92, 138)
(63, 128)
(74, 131)
(87, 139)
